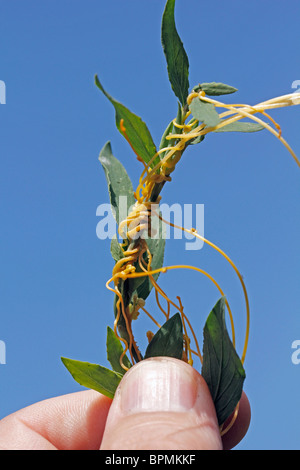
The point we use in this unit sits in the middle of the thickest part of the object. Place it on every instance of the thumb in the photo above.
(162, 404)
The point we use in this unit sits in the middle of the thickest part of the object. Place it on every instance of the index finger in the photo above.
(69, 422)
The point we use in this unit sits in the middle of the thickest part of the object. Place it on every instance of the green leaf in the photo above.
(136, 130)
(157, 249)
(240, 127)
(93, 376)
(197, 140)
(204, 112)
(171, 129)
(115, 249)
(119, 185)
(168, 341)
(114, 351)
(222, 368)
(166, 142)
(177, 59)
(217, 89)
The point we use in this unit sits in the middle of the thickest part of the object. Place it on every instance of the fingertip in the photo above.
(241, 425)
(162, 403)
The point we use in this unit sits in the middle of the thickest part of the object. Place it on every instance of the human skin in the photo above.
(160, 404)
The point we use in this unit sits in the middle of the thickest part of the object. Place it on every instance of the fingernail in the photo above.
(159, 385)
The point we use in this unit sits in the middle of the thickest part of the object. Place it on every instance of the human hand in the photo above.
(161, 404)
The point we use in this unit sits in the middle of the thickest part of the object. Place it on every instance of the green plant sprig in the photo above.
(139, 259)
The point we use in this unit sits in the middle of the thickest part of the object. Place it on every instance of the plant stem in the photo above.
(126, 287)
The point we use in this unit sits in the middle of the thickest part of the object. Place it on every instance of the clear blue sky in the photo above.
(53, 268)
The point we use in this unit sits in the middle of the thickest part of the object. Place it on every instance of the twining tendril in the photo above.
(138, 223)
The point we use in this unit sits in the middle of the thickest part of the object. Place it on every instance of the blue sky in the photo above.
(53, 268)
